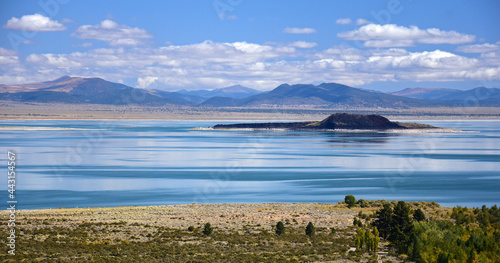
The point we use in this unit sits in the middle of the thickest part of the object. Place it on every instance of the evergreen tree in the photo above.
(401, 227)
(280, 228)
(310, 230)
(419, 215)
(384, 220)
(207, 230)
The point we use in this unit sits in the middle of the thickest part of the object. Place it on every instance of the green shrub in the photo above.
(310, 230)
(280, 228)
(350, 200)
(207, 230)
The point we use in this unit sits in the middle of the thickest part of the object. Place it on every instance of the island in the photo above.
(337, 121)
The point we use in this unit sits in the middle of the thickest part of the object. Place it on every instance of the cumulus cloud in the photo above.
(113, 33)
(262, 66)
(391, 35)
(479, 48)
(144, 82)
(296, 30)
(343, 21)
(35, 22)
(433, 60)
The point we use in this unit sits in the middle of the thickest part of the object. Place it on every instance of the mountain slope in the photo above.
(87, 90)
(480, 96)
(236, 91)
(425, 93)
(325, 95)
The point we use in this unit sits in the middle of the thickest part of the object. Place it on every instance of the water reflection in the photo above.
(358, 138)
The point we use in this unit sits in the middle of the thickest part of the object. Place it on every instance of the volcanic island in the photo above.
(339, 122)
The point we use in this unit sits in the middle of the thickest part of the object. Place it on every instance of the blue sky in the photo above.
(171, 45)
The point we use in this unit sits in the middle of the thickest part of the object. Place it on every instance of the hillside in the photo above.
(89, 90)
(324, 95)
(425, 93)
(236, 92)
(481, 96)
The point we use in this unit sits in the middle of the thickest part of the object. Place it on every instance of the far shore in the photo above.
(40, 111)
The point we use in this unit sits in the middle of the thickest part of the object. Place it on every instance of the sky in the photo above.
(385, 45)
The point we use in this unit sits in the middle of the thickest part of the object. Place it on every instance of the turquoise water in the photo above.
(118, 163)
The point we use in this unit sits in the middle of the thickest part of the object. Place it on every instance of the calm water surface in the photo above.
(118, 163)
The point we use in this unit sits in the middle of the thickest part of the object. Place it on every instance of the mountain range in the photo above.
(78, 90)
(236, 92)
(480, 96)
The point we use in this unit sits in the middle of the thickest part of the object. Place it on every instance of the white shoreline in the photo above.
(424, 130)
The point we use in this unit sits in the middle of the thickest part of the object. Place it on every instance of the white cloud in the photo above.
(435, 59)
(145, 82)
(361, 21)
(296, 30)
(304, 44)
(262, 66)
(7, 52)
(57, 60)
(343, 21)
(113, 33)
(8, 56)
(35, 22)
(391, 35)
(479, 48)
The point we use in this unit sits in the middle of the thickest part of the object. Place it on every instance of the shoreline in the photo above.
(426, 130)
(60, 111)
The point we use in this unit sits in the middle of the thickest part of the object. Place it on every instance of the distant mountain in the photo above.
(324, 95)
(90, 90)
(236, 91)
(425, 93)
(480, 96)
(177, 96)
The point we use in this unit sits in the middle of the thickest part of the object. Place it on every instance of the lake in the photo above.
(122, 163)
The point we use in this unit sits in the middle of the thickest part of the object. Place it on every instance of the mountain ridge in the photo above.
(81, 90)
(325, 95)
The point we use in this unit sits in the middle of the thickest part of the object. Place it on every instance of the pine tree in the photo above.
(419, 215)
(401, 227)
(207, 230)
(310, 230)
(280, 228)
(384, 220)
